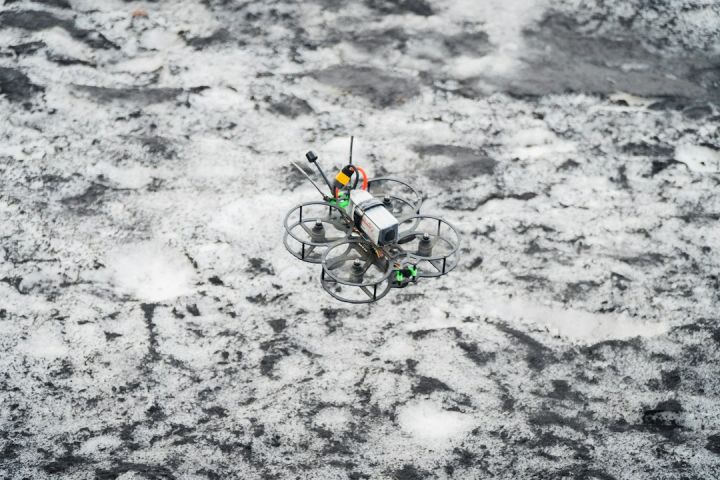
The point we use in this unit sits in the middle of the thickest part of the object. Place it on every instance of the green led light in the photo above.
(399, 276)
(413, 270)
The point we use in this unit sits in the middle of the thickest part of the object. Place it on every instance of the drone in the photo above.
(368, 235)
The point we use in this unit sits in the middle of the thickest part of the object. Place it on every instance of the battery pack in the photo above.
(372, 218)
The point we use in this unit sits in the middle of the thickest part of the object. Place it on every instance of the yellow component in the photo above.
(342, 178)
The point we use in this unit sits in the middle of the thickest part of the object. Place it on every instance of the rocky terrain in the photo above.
(154, 327)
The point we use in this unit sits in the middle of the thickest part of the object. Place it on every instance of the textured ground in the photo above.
(153, 326)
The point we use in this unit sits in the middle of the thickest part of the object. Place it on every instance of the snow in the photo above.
(430, 425)
(100, 443)
(155, 327)
(698, 158)
(333, 418)
(45, 342)
(126, 177)
(149, 271)
(576, 325)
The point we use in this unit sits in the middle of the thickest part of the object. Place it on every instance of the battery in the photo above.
(372, 218)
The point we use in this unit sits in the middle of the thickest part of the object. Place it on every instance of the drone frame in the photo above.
(426, 246)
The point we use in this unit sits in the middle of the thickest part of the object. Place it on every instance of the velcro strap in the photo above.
(369, 203)
(358, 218)
(363, 207)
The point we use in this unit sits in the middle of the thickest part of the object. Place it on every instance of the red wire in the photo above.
(364, 175)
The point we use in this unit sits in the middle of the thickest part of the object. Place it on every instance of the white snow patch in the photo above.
(213, 157)
(623, 102)
(493, 65)
(222, 99)
(125, 177)
(397, 348)
(100, 443)
(293, 369)
(504, 21)
(237, 221)
(20, 151)
(45, 275)
(61, 42)
(432, 426)
(337, 152)
(576, 324)
(45, 342)
(150, 271)
(141, 64)
(634, 67)
(698, 158)
(534, 136)
(160, 39)
(332, 418)
(129, 476)
(194, 18)
(537, 142)
(433, 317)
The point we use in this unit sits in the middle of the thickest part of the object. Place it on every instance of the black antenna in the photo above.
(351, 142)
(312, 158)
(308, 177)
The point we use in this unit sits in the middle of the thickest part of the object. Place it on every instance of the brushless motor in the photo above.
(317, 233)
(357, 271)
(425, 245)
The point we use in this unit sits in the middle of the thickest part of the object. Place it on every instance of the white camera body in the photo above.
(372, 218)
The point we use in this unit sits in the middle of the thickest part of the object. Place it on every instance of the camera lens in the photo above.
(389, 236)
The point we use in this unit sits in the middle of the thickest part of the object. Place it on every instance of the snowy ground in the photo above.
(152, 326)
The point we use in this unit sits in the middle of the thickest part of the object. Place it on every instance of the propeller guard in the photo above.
(303, 239)
(354, 272)
(438, 257)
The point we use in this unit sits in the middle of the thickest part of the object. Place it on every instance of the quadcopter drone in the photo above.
(369, 235)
